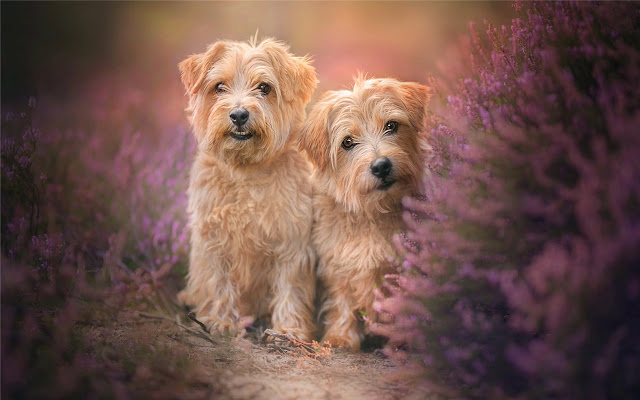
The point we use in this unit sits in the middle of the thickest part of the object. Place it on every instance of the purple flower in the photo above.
(524, 249)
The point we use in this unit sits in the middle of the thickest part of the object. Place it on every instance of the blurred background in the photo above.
(94, 131)
(96, 154)
(58, 48)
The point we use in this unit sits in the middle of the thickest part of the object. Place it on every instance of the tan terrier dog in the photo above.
(250, 196)
(367, 150)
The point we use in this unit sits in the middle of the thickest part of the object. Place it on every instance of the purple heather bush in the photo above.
(520, 268)
(93, 216)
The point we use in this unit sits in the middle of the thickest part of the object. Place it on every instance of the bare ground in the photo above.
(165, 360)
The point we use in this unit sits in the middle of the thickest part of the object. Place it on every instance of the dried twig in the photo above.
(205, 335)
(192, 316)
(311, 350)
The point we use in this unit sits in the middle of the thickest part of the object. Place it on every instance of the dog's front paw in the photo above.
(298, 333)
(350, 340)
(299, 327)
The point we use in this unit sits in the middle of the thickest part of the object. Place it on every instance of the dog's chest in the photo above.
(368, 247)
(260, 212)
(353, 245)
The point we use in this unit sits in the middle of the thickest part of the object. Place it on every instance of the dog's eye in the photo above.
(220, 88)
(264, 88)
(391, 127)
(348, 143)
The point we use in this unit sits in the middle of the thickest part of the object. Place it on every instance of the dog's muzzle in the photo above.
(381, 168)
(241, 135)
(239, 117)
(386, 184)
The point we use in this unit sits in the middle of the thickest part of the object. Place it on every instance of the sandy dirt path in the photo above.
(245, 368)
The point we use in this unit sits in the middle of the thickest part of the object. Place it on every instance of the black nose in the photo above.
(239, 116)
(381, 167)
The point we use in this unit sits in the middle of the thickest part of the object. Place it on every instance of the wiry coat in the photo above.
(357, 213)
(250, 200)
(353, 254)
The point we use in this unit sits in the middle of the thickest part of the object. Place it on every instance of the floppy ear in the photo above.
(314, 135)
(415, 98)
(194, 69)
(297, 77)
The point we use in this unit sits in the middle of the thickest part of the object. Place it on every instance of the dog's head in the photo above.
(246, 99)
(366, 143)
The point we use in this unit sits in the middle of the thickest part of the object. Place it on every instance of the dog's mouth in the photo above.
(386, 184)
(241, 135)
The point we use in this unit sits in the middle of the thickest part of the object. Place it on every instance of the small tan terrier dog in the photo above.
(250, 196)
(366, 145)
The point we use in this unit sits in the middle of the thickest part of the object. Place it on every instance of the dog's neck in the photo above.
(281, 160)
(373, 213)
(387, 222)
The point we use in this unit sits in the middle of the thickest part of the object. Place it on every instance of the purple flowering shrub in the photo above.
(93, 220)
(20, 188)
(37, 318)
(520, 273)
(125, 167)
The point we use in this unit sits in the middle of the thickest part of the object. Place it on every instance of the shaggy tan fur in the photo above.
(356, 212)
(250, 196)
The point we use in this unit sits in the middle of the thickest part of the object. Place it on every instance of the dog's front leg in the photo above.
(294, 290)
(213, 292)
(341, 324)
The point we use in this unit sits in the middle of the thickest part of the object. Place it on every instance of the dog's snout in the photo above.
(381, 167)
(239, 116)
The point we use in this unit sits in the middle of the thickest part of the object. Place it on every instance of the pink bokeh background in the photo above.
(133, 48)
